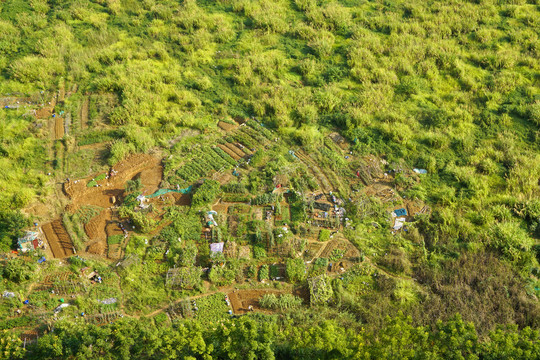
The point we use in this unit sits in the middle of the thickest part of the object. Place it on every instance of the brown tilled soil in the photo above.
(84, 113)
(235, 149)
(182, 199)
(59, 241)
(242, 299)
(95, 229)
(146, 166)
(97, 247)
(226, 126)
(111, 190)
(221, 208)
(58, 128)
(61, 93)
(45, 112)
(229, 152)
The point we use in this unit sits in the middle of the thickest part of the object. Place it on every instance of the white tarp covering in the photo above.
(399, 223)
(60, 307)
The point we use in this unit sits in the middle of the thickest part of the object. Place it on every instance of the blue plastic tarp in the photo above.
(400, 212)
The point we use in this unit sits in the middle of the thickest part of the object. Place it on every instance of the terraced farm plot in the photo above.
(103, 319)
(58, 128)
(58, 239)
(211, 309)
(65, 283)
(244, 300)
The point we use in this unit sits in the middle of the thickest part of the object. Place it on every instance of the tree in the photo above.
(511, 343)
(455, 339)
(183, 255)
(10, 345)
(18, 270)
(12, 223)
(245, 338)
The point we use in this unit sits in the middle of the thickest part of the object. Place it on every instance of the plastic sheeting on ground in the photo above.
(399, 223)
(165, 191)
(216, 247)
(108, 301)
(400, 212)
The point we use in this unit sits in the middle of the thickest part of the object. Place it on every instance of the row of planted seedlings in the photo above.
(206, 161)
(260, 129)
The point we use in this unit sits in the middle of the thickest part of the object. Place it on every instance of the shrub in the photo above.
(510, 239)
(263, 273)
(268, 301)
(259, 252)
(119, 150)
(18, 270)
(206, 193)
(284, 301)
(221, 276)
(115, 239)
(295, 269)
(324, 235)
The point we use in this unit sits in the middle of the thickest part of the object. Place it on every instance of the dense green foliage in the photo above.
(264, 338)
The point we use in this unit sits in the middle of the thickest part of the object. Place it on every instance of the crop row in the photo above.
(260, 128)
(260, 139)
(225, 156)
(212, 308)
(207, 160)
(246, 140)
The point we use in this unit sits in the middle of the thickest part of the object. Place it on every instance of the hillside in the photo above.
(270, 179)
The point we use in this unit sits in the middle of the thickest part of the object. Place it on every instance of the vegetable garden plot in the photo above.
(329, 223)
(69, 287)
(65, 283)
(229, 152)
(29, 337)
(183, 309)
(226, 126)
(261, 129)
(211, 309)
(256, 136)
(207, 161)
(183, 277)
(243, 301)
(239, 153)
(58, 128)
(340, 246)
(105, 318)
(58, 239)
